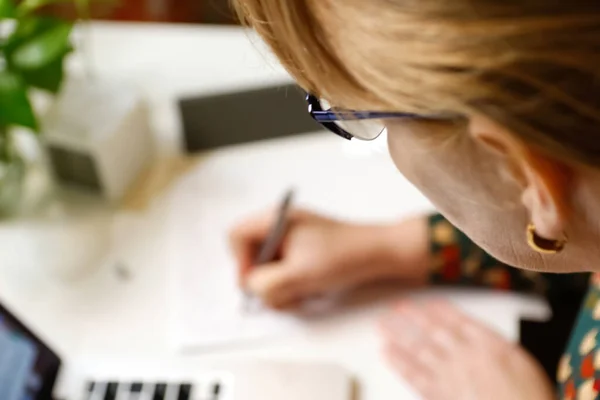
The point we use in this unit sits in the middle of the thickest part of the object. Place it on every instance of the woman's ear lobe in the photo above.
(547, 196)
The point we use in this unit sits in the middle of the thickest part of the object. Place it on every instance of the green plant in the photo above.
(33, 48)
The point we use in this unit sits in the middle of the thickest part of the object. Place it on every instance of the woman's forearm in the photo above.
(404, 250)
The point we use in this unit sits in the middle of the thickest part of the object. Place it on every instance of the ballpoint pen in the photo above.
(271, 244)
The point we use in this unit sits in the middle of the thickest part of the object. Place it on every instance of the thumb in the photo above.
(276, 284)
(246, 237)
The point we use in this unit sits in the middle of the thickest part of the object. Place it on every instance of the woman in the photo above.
(492, 111)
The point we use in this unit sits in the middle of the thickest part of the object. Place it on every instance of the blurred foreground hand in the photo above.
(446, 355)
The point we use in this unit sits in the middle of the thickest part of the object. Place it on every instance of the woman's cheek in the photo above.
(449, 169)
(464, 184)
(426, 165)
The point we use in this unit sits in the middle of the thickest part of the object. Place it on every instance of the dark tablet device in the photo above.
(245, 116)
(28, 368)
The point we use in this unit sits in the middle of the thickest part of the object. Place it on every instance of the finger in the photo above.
(245, 240)
(412, 371)
(456, 343)
(433, 343)
(474, 338)
(470, 329)
(401, 330)
(409, 331)
(288, 304)
(449, 324)
(414, 325)
(276, 284)
(247, 237)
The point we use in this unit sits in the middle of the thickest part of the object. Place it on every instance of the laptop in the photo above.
(30, 370)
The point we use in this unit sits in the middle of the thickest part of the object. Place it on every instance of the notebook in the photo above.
(229, 184)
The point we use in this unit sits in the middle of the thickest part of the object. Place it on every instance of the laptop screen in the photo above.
(28, 368)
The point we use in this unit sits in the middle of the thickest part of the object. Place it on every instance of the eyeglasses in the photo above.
(363, 125)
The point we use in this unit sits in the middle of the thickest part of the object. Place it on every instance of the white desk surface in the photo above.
(103, 317)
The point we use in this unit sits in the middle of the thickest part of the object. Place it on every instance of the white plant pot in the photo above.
(97, 133)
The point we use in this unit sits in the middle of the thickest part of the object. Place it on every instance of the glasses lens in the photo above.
(364, 129)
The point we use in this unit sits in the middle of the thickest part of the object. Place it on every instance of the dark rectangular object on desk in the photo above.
(75, 168)
(246, 116)
(36, 382)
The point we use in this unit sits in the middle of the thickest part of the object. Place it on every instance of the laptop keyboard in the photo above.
(213, 390)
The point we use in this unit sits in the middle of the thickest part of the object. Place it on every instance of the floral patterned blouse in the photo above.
(457, 260)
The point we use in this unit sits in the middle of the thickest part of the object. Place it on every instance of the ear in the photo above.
(545, 182)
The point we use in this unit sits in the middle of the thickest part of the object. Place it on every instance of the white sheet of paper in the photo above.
(228, 185)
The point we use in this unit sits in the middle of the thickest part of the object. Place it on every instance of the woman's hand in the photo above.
(319, 254)
(446, 355)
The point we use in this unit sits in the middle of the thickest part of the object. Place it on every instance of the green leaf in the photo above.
(7, 9)
(15, 108)
(43, 49)
(29, 26)
(28, 6)
(26, 29)
(49, 78)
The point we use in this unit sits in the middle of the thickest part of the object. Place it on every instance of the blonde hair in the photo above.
(530, 65)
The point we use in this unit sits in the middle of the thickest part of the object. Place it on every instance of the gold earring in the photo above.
(543, 245)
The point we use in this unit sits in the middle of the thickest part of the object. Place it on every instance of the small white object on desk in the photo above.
(98, 136)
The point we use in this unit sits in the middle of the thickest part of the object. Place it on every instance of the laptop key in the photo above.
(216, 390)
(160, 391)
(185, 391)
(111, 391)
(136, 387)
